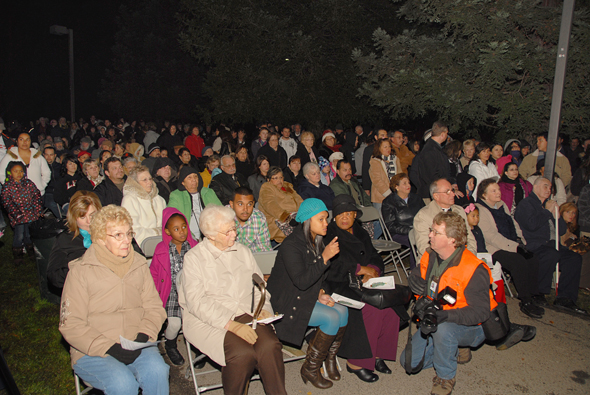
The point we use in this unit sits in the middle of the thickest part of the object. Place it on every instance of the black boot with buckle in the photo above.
(173, 353)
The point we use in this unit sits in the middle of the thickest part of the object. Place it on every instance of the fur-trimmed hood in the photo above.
(133, 188)
(13, 152)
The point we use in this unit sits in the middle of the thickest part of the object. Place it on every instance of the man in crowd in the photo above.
(529, 163)
(447, 263)
(537, 215)
(443, 199)
(225, 183)
(110, 190)
(431, 163)
(251, 224)
(288, 144)
(153, 154)
(401, 151)
(345, 183)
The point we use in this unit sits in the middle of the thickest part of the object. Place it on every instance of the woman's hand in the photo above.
(264, 314)
(331, 249)
(367, 273)
(326, 299)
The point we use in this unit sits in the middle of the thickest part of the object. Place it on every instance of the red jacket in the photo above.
(195, 145)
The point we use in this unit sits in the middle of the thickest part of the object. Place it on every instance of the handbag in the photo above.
(380, 298)
(46, 228)
(498, 325)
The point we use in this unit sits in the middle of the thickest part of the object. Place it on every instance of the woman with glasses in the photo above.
(109, 293)
(141, 199)
(217, 296)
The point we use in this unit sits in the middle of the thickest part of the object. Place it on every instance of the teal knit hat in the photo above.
(309, 208)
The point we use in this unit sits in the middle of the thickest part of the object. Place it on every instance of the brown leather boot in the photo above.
(316, 354)
(331, 365)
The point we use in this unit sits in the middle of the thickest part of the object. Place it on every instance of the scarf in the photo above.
(517, 190)
(87, 239)
(390, 162)
(119, 266)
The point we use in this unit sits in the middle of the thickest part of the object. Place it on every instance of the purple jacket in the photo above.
(160, 267)
(507, 195)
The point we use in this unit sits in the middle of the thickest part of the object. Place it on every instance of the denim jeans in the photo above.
(149, 371)
(443, 347)
(21, 235)
(329, 319)
(378, 230)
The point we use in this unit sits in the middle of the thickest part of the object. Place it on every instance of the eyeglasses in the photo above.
(436, 232)
(122, 236)
(230, 230)
(448, 191)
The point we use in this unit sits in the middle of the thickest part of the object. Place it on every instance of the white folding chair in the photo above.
(371, 214)
(265, 260)
(79, 390)
(148, 245)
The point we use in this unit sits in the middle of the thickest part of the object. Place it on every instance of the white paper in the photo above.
(387, 282)
(131, 345)
(487, 258)
(268, 320)
(343, 300)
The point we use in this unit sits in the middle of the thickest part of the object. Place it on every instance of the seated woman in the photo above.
(256, 179)
(141, 199)
(312, 187)
(91, 169)
(164, 176)
(215, 292)
(278, 202)
(502, 241)
(513, 187)
(569, 213)
(371, 335)
(66, 184)
(399, 210)
(72, 244)
(109, 293)
(481, 166)
(296, 285)
(466, 184)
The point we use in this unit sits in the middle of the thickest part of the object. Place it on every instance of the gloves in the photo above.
(243, 331)
(264, 314)
(124, 356)
(417, 284)
(526, 254)
(142, 338)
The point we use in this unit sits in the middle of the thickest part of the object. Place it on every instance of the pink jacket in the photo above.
(160, 266)
(506, 190)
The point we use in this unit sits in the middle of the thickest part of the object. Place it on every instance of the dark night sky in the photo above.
(34, 68)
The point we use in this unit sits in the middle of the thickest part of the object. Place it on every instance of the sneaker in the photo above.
(540, 300)
(569, 305)
(514, 336)
(442, 386)
(464, 355)
(531, 309)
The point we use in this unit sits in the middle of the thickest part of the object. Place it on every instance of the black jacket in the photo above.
(304, 155)
(307, 190)
(294, 285)
(244, 168)
(66, 187)
(108, 193)
(224, 185)
(355, 248)
(84, 184)
(292, 178)
(430, 164)
(275, 158)
(168, 141)
(399, 215)
(165, 188)
(55, 170)
(533, 219)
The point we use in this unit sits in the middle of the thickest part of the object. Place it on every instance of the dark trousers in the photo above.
(570, 266)
(241, 358)
(21, 235)
(524, 272)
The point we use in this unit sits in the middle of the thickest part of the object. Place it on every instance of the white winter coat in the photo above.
(38, 170)
(481, 172)
(145, 209)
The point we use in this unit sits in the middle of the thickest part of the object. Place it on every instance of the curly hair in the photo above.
(133, 173)
(79, 204)
(455, 227)
(111, 214)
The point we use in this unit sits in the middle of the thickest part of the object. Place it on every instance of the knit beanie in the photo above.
(309, 208)
(185, 172)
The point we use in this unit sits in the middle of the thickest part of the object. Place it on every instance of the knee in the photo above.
(242, 356)
(120, 382)
(445, 333)
(331, 322)
(268, 344)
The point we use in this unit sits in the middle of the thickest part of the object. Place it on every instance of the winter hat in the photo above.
(344, 203)
(336, 156)
(205, 150)
(309, 208)
(327, 133)
(153, 146)
(184, 173)
(509, 142)
(83, 153)
(161, 162)
(323, 162)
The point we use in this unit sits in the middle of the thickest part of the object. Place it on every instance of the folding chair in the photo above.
(266, 260)
(412, 238)
(400, 253)
(78, 387)
(148, 246)
(371, 214)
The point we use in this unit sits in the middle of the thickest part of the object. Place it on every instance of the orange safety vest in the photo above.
(458, 277)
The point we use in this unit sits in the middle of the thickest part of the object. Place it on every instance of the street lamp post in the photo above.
(60, 31)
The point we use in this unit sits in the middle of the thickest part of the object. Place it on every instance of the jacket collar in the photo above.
(216, 252)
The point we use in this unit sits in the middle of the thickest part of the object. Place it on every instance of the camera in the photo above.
(425, 309)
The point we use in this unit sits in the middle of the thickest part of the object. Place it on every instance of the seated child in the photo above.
(472, 213)
(22, 201)
(166, 264)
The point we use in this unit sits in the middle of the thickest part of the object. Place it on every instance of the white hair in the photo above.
(213, 217)
(309, 166)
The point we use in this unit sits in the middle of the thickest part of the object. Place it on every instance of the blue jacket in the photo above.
(533, 219)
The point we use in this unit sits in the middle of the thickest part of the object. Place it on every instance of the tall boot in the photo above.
(331, 365)
(172, 351)
(31, 251)
(316, 354)
(17, 254)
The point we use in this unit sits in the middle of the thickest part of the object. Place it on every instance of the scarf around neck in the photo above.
(119, 265)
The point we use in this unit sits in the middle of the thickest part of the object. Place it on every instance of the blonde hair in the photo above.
(133, 173)
(455, 227)
(305, 135)
(87, 164)
(111, 214)
(79, 204)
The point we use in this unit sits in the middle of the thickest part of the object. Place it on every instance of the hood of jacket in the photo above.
(13, 152)
(133, 188)
(166, 214)
(462, 179)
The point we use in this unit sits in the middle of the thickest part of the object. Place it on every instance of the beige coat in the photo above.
(145, 209)
(216, 286)
(494, 239)
(380, 179)
(562, 167)
(423, 223)
(405, 157)
(97, 306)
(276, 204)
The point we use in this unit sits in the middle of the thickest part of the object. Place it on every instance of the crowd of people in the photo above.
(215, 198)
